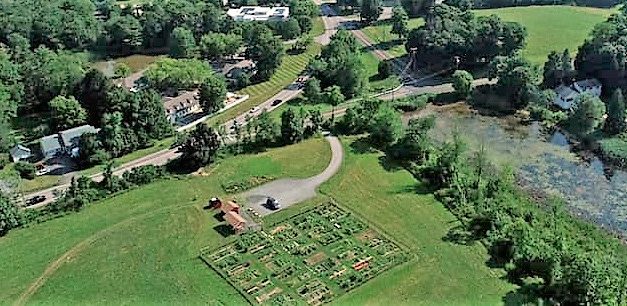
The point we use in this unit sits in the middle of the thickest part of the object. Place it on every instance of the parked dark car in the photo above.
(276, 102)
(35, 200)
(272, 203)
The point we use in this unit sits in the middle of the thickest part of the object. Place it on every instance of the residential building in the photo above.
(64, 142)
(50, 146)
(566, 95)
(176, 108)
(259, 13)
(20, 152)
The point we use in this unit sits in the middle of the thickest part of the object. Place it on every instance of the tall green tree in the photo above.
(266, 51)
(212, 94)
(200, 147)
(399, 22)
(9, 215)
(333, 96)
(552, 75)
(292, 128)
(370, 10)
(588, 114)
(312, 90)
(67, 112)
(386, 126)
(568, 70)
(123, 33)
(462, 83)
(264, 129)
(183, 44)
(615, 122)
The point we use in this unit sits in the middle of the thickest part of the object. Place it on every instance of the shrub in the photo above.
(26, 170)
(384, 69)
(4, 160)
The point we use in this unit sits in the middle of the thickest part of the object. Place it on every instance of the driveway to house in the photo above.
(291, 191)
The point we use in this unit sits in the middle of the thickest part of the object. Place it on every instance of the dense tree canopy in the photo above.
(604, 54)
(266, 51)
(66, 113)
(177, 74)
(399, 22)
(451, 35)
(340, 64)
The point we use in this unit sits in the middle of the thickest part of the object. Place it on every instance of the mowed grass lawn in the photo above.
(291, 67)
(552, 27)
(141, 247)
(441, 273)
(549, 28)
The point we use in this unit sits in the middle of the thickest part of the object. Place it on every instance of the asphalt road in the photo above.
(291, 191)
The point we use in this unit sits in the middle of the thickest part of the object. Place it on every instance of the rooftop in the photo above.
(587, 83)
(183, 100)
(70, 137)
(229, 206)
(259, 13)
(50, 143)
(234, 219)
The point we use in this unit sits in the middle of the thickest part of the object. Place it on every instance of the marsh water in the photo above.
(543, 163)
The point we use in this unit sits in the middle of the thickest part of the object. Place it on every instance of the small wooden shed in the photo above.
(235, 220)
(229, 206)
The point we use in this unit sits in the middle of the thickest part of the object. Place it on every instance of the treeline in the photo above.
(60, 83)
(454, 37)
(552, 257)
(81, 193)
(508, 3)
(603, 54)
(85, 24)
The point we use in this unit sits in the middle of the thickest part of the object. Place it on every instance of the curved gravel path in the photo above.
(291, 191)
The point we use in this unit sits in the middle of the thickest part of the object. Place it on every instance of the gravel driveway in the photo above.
(291, 191)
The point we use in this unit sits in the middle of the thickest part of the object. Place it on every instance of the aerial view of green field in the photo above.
(549, 28)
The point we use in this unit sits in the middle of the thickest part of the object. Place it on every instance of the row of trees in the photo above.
(454, 36)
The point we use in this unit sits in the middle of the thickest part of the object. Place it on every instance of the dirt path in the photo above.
(291, 191)
(77, 249)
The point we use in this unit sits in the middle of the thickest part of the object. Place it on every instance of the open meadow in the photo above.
(142, 246)
(549, 28)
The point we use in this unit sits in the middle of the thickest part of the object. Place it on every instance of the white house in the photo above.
(259, 13)
(566, 95)
(176, 108)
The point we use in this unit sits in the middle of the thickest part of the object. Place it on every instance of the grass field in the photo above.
(441, 273)
(549, 28)
(552, 27)
(141, 246)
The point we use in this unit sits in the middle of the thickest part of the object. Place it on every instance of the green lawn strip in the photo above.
(549, 28)
(381, 36)
(371, 62)
(152, 257)
(615, 148)
(442, 273)
(318, 27)
(293, 65)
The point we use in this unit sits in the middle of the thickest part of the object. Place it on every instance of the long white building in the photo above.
(259, 13)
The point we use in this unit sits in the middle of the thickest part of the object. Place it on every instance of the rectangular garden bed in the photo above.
(311, 258)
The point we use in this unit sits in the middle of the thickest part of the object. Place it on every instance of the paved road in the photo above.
(291, 191)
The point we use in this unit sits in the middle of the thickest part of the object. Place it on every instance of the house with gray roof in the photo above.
(50, 146)
(20, 152)
(566, 95)
(64, 142)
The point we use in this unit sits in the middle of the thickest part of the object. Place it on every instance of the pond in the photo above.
(544, 163)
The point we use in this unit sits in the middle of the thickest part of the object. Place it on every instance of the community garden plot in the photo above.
(310, 259)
